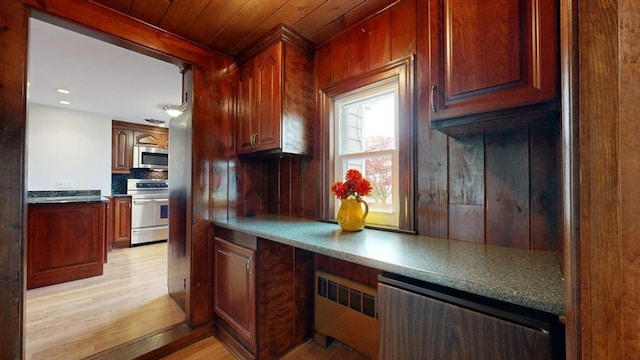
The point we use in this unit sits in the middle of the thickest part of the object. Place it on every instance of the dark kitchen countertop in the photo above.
(528, 278)
(65, 197)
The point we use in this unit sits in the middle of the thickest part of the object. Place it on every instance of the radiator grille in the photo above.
(355, 299)
(346, 310)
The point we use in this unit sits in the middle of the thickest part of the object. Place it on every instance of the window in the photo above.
(366, 137)
(370, 126)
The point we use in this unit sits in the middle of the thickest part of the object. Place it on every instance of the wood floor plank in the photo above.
(207, 349)
(211, 349)
(77, 319)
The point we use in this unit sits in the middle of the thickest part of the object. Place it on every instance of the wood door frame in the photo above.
(104, 23)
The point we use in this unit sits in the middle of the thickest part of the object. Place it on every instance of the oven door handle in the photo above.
(136, 202)
(159, 200)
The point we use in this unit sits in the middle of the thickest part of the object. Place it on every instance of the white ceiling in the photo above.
(102, 78)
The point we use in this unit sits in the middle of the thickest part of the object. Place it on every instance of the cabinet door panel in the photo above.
(234, 288)
(269, 87)
(153, 139)
(413, 326)
(488, 56)
(121, 151)
(245, 108)
(122, 221)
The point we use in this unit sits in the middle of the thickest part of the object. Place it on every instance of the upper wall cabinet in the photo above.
(492, 63)
(152, 138)
(121, 149)
(275, 95)
(124, 136)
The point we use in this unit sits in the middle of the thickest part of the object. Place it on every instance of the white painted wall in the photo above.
(68, 145)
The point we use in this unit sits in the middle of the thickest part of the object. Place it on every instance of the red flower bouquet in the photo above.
(355, 186)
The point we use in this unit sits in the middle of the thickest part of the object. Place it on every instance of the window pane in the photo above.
(379, 171)
(369, 124)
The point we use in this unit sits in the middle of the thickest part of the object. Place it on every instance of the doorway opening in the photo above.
(88, 152)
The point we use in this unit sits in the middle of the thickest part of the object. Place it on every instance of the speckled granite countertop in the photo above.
(64, 196)
(526, 278)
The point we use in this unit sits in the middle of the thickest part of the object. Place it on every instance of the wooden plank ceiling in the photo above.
(229, 26)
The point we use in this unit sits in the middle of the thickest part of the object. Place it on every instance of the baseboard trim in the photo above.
(157, 344)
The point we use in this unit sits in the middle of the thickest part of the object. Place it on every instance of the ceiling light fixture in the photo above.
(63, 91)
(64, 102)
(174, 110)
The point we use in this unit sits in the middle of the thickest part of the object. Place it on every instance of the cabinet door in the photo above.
(269, 98)
(234, 289)
(148, 138)
(414, 326)
(491, 55)
(164, 140)
(246, 109)
(122, 221)
(121, 150)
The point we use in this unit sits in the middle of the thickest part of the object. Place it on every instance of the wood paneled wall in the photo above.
(498, 188)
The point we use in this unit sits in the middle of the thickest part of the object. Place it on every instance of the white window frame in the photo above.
(403, 72)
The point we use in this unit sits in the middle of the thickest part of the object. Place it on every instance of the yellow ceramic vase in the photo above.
(352, 214)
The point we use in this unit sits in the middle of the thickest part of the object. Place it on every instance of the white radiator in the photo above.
(346, 311)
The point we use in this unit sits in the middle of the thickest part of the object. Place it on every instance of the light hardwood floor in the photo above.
(77, 319)
(212, 349)
(80, 318)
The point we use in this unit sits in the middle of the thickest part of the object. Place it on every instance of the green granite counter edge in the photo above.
(528, 278)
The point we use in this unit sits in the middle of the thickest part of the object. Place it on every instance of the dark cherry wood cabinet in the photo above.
(262, 294)
(124, 136)
(118, 223)
(499, 56)
(259, 102)
(234, 290)
(414, 325)
(121, 150)
(153, 138)
(65, 242)
(121, 221)
(275, 104)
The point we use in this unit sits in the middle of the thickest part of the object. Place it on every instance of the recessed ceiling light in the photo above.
(63, 91)
(64, 102)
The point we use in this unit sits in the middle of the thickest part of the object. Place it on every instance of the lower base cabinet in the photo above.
(234, 289)
(263, 294)
(416, 323)
(121, 222)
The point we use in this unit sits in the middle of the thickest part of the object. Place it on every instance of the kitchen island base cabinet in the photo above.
(262, 294)
(415, 326)
(65, 242)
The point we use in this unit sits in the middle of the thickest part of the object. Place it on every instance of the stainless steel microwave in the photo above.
(146, 157)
